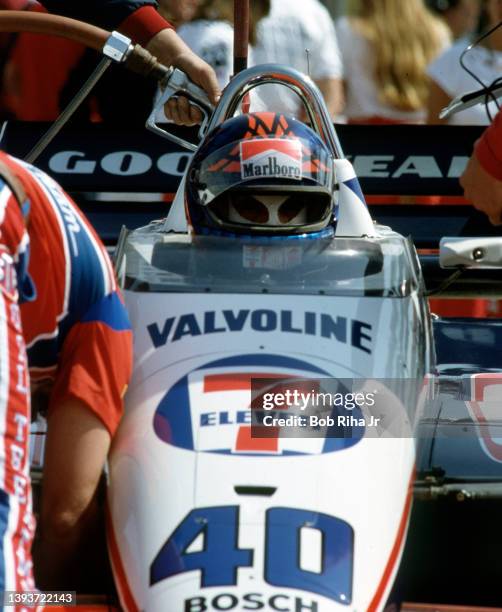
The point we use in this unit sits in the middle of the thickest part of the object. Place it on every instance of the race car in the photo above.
(216, 501)
(225, 515)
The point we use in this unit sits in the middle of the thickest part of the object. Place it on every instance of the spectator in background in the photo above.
(449, 79)
(178, 12)
(303, 38)
(211, 34)
(386, 46)
(461, 16)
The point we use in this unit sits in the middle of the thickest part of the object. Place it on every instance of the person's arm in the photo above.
(168, 47)
(438, 99)
(110, 14)
(140, 21)
(444, 83)
(488, 149)
(482, 179)
(333, 93)
(327, 66)
(67, 550)
(86, 406)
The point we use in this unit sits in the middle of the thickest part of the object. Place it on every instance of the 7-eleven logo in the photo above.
(241, 382)
(209, 409)
(225, 405)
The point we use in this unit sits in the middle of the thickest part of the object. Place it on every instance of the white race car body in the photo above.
(204, 515)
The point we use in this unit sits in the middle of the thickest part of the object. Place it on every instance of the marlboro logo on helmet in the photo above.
(272, 157)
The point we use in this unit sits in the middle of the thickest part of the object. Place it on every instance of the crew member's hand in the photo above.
(168, 47)
(483, 190)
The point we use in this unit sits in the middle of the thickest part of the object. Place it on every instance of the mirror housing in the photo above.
(480, 253)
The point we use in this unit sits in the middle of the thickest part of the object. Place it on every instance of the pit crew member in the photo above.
(79, 346)
(140, 21)
(482, 179)
(16, 519)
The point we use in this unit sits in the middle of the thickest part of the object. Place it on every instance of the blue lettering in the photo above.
(235, 322)
(207, 419)
(358, 335)
(159, 338)
(187, 326)
(337, 329)
(301, 606)
(209, 324)
(310, 323)
(286, 322)
(253, 598)
(264, 320)
(225, 601)
(195, 604)
(244, 416)
(272, 602)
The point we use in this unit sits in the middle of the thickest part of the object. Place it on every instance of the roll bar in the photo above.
(301, 84)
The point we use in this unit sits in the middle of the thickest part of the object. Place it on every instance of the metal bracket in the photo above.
(117, 47)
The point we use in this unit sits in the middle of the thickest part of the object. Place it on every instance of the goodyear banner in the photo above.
(389, 159)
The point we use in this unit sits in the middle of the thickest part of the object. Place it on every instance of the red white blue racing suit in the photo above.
(16, 520)
(77, 331)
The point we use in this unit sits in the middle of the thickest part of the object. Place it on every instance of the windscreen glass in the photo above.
(155, 261)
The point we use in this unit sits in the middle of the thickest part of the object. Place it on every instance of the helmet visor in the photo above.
(271, 164)
(260, 212)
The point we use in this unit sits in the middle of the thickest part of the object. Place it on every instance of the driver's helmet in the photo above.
(261, 174)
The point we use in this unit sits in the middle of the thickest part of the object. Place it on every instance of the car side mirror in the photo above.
(481, 253)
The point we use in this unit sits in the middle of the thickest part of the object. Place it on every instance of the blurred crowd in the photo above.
(383, 61)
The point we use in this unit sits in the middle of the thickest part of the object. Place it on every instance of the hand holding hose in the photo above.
(172, 51)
